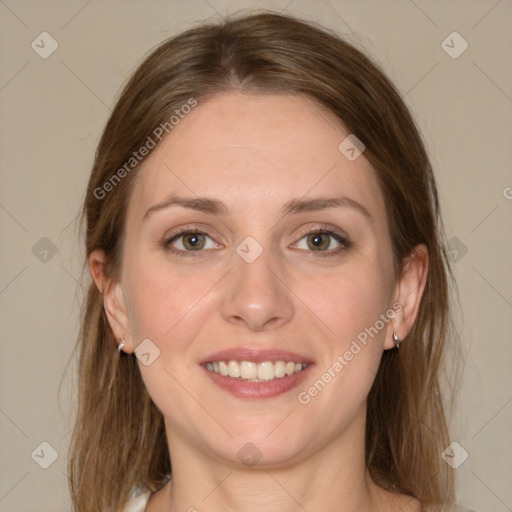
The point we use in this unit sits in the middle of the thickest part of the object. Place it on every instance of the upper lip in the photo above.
(255, 355)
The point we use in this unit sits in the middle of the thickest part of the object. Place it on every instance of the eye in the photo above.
(189, 241)
(323, 241)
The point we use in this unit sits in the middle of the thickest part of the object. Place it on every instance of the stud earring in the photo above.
(120, 346)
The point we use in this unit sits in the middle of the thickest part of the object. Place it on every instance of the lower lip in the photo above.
(244, 389)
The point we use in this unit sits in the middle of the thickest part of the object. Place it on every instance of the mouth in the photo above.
(255, 373)
(251, 371)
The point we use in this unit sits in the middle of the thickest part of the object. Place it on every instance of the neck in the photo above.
(333, 478)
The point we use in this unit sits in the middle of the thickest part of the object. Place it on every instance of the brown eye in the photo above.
(323, 241)
(318, 241)
(194, 241)
(190, 241)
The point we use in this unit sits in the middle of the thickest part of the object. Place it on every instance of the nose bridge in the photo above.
(256, 268)
(256, 295)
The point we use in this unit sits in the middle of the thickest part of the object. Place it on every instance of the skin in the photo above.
(255, 153)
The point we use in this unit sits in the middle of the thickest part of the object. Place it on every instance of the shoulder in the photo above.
(137, 503)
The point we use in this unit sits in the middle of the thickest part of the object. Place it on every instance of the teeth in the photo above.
(256, 372)
(248, 370)
(223, 368)
(280, 369)
(266, 371)
(233, 369)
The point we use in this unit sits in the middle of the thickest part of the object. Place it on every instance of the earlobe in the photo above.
(409, 291)
(113, 299)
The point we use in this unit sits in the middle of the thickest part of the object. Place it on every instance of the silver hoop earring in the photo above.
(120, 346)
(397, 340)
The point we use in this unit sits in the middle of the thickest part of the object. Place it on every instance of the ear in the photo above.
(113, 299)
(408, 292)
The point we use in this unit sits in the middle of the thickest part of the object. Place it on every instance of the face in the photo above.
(251, 237)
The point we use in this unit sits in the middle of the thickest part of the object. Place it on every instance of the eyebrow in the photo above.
(323, 203)
(215, 207)
(200, 204)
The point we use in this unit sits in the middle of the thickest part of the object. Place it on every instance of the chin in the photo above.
(253, 449)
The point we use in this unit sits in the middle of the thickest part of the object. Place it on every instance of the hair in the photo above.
(119, 441)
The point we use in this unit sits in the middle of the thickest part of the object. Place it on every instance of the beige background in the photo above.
(52, 113)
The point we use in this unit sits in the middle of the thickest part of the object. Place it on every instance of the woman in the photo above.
(263, 233)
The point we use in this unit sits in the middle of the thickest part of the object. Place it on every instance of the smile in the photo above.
(250, 371)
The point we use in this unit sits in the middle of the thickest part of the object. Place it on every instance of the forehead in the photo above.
(250, 150)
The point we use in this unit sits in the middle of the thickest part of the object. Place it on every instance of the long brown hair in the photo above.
(119, 440)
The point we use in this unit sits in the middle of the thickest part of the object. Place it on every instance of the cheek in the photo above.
(162, 302)
(348, 302)
(155, 298)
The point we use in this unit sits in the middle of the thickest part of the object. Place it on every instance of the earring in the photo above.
(120, 346)
(397, 340)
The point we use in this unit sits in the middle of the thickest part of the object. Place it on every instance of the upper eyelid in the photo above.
(185, 230)
(340, 238)
(193, 229)
(180, 234)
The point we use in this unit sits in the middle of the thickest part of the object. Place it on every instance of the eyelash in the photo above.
(343, 241)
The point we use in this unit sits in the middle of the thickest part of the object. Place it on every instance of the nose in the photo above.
(256, 295)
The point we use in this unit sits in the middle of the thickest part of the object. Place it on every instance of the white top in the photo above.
(138, 504)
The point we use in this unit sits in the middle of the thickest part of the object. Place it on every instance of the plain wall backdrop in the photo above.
(54, 103)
